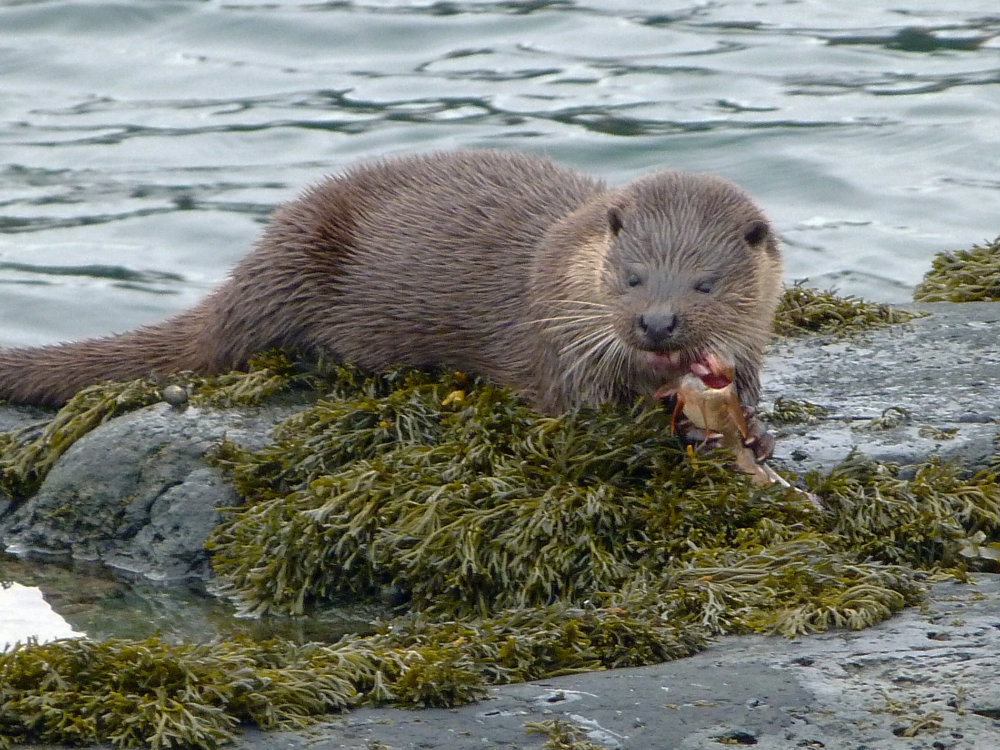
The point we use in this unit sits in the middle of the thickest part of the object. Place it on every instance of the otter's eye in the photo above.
(635, 275)
(755, 233)
(705, 286)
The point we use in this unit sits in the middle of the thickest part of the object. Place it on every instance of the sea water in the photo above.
(144, 144)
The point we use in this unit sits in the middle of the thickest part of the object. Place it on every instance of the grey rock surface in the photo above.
(943, 370)
(926, 678)
(18, 417)
(134, 493)
(930, 673)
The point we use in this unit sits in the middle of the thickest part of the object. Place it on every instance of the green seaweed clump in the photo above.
(148, 693)
(790, 411)
(561, 735)
(473, 505)
(476, 505)
(525, 547)
(153, 694)
(266, 375)
(963, 276)
(806, 311)
(469, 505)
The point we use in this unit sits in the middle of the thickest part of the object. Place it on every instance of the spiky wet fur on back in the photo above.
(498, 263)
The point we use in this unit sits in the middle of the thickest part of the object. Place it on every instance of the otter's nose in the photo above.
(657, 328)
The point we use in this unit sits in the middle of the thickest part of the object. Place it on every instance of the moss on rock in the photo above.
(27, 454)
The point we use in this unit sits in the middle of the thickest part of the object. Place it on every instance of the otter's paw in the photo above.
(696, 436)
(758, 439)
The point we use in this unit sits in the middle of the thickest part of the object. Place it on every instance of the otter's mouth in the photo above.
(702, 364)
(713, 372)
(668, 360)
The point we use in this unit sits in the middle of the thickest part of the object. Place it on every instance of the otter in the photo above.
(498, 263)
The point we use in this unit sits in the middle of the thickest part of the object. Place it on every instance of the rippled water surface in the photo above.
(142, 144)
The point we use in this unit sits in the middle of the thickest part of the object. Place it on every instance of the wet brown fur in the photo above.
(498, 263)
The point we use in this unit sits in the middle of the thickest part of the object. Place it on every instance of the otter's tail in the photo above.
(50, 375)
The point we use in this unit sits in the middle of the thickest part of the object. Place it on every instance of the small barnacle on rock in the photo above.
(175, 395)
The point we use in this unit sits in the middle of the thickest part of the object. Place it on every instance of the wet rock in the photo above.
(900, 394)
(923, 679)
(135, 493)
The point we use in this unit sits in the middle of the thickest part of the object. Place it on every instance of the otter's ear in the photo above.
(756, 232)
(615, 220)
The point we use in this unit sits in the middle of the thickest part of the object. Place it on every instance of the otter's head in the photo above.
(692, 268)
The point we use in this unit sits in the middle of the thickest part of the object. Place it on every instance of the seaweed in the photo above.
(522, 546)
(148, 693)
(561, 735)
(804, 310)
(788, 411)
(963, 276)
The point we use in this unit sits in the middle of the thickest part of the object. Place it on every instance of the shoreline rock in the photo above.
(939, 375)
(925, 672)
(924, 679)
(942, 371)
(143, 499)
